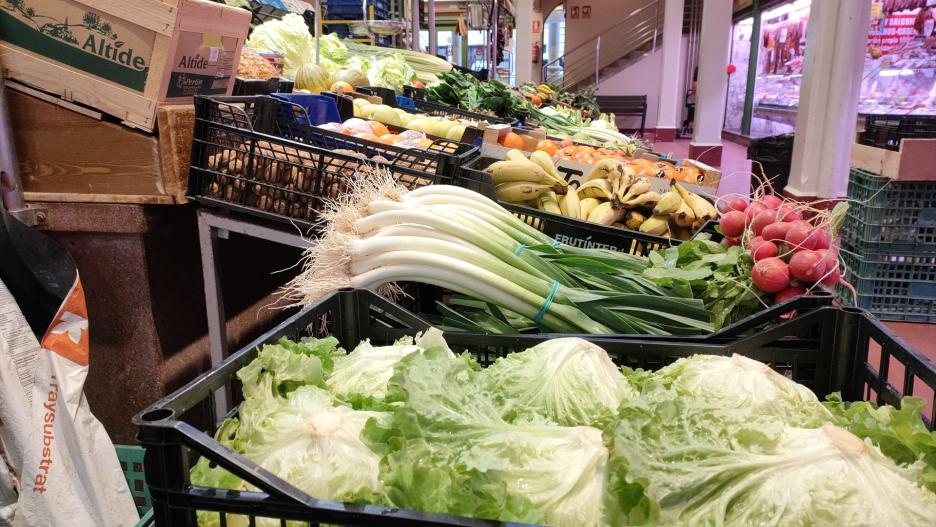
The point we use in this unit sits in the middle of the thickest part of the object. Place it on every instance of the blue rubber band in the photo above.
(555, 243)
(519, 249)
(549, 300)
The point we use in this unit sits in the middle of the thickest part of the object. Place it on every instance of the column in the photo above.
(836, 38)
(712, 83)
(671, 101)
(523, 11)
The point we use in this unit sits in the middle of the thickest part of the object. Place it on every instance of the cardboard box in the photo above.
(915, 161)
(123, 57)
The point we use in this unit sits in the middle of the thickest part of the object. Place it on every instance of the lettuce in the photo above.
(282, 367)
(289, 36)
(391, 71)
(569, 381)
(448, 450)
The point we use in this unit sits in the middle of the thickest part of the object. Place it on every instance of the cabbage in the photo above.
(738, 382)
(332, 48)
(289, 36)
(367, 370)
(567, 380)
(448, 450)
(391, 71)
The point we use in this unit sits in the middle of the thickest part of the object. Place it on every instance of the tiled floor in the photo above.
(736, 178)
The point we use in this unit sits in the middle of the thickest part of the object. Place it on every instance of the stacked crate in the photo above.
(339, 10)
(889, 246)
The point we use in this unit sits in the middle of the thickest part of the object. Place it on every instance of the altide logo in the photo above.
(48, 438)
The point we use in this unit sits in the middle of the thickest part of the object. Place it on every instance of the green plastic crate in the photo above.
(131, 461)
(887, 215)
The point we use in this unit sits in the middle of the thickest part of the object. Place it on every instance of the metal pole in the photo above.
(597, 58)
(492, 52)
(433, 34)
(656, 26)
(748, 114)
(10, 186)
(318, 28)
(414, 28)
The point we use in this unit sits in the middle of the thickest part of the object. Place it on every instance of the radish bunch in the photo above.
(791, 254)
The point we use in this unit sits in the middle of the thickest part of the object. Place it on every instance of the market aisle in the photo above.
(736, 167)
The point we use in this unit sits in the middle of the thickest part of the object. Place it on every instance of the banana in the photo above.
(669, 203)
(545, 162)
(570, 205)
(641, 186)
(596, 188)
(602, 168)
(606, 214)
(510, 171)
(643, 200)
(684, 215)
(699, 205)
(517, 191)
(586, 206)
(619, 225)
(656, 225)
(549, 203)
(682, 233)
(515, 155)
(634, 219)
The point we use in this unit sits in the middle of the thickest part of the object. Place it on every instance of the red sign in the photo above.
(893, 31)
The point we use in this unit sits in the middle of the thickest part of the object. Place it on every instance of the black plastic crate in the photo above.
(828, 349)
(892, 285)
(443, 157)
(356, 9)
(888, 215)
(577, 233)
(244, 86)
(886, 131)
(238, 168)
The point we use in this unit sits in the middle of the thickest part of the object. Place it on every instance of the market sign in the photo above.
(81, 37)
(893, 31)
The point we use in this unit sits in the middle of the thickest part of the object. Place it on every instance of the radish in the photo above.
(753, 210)
(788, 213)
(764, 250)
(737, 204)
(770, 201)
(790, 292)
(807, 266)
(771, 275)
(763, 219)
(833, 277)
(831, 274)
(730, 242)
(776, 232)
(755, 243)
(823, 239)
(732, 223)
(801, 236)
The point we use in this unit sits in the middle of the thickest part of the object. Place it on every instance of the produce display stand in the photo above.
(827, 349)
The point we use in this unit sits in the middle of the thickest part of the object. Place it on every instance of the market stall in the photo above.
(434, 299)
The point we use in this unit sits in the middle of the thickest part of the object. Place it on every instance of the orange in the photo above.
(418, 84)
(369, 137)
(536, 100)
(512, 140)
(566, 142)
(549, 146)
(379, 129)
(341, 87)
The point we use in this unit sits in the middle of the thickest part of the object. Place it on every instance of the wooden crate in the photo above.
(123, 57)
(915, 161)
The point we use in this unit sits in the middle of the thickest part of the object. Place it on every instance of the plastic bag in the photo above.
(57, 456)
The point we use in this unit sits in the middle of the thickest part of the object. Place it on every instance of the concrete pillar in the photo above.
(671, 101)
(836, 38)
(523, 10)
(712, 85)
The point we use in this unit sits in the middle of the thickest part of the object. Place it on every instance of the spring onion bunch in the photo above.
(380, 234)
(568, 122)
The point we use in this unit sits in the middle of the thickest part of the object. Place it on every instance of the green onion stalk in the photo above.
(380, 235)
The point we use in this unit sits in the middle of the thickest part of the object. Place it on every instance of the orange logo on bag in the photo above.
(68, 333)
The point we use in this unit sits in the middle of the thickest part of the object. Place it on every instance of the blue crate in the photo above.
(893, 286)
(887, 216)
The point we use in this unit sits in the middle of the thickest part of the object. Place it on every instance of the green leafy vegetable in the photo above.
(569, 381)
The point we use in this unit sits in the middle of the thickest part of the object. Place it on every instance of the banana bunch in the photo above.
(529, 181)
(678, 214)
(545, 92)
(610, 194)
